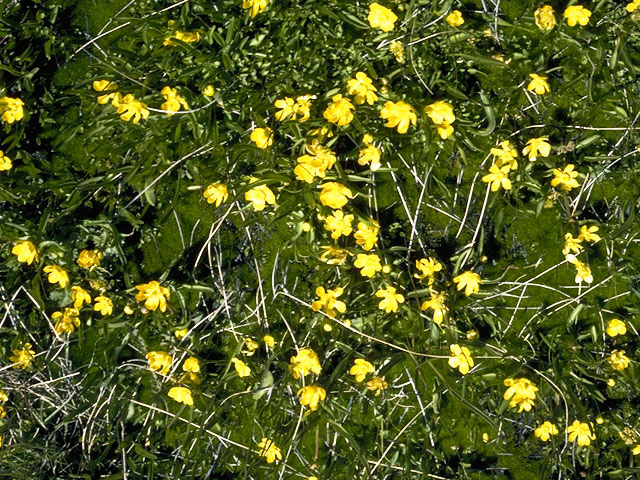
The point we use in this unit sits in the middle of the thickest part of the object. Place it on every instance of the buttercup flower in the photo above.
(216, 193)
(159, 361)
(89, 259)
(367, 234)
(173, 101)
(328, 301)
(377, 384)
(3, 396)
(583, 272)
(338, 224)
(316, 163)
(259, 196)
(589, 233)
(632, 7)
(334, 195)
(370, 264)
(191, 364)
(498, 177)
(616, 327)
(255, 6)
(5, 162)
(427, 268)
(269, 450)
(25, 251)
(460, 358)
(538, 84)
(262, 137)
(22, 357)
(66, 321)
(339, 112)
(370, 155)
(437, 304)
(399, 114)
(269, 341)
(565, 178)
(57, 275)
(305, 362)
(311, 395)
(361, 368)
(577, 14)
(130, 108)
(505, 155)
(181, 395)
(251, 347)
(618, 360)
(153, 295)
(104, 305)
(302, 107)
(454, 19)
(521, 393)
(286, 106)
(242, 369)
(11, 109)
(581, 432)
(445, 130)
(390, 299)
(397, 50)
(181, 333)
(544, 431)
(333, 255)
(468, 280)
(544, 17)
(186, 37)
(362, 88)
(537, 146)
(381, 17)
(572, 244)
(209, 91)
(79, 296)
(106, 85)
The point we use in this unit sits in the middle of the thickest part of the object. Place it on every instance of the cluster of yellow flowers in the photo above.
(128, 107)
(173, 101)
(441, 114)
(161, 362)
(186, 37)
(11, 109)
(521, 393)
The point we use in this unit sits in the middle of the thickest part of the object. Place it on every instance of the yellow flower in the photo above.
(130, 108)
(581, 432)
(537, 146)
(104, 305)
(589, 233)
(428, 268)
(565, 178)
(242, 369)
(616, 327)
(305, 362)
(311, 395)
(216, 193)
(460, 358)
(636, 450)
(333, 256)
(397, 50)
(468, 280)
(302, 107)
(370, 264)
(23, 357)
(437, 304)
(506, 155)
(251, 345)
(259, 196)
(256, 6)
(454, 19)
(399, 114)
(572, 244)
(363, 89)
(57, 275)
(186, 37)
(334, 195)
(328, 301)
(11, 109)
(444, 130)
(361, 368)
(173, 101)
(25, 251)
(89, 259)
(390, 299)
(262, 137)
(611, 382)
(632, 7)
(583, 272)
(472, 335)
(538, 84)
(338, 224)
(544, 17)
(159, 361)
(181, 395)
(209, 91)
(3, 412)
(106, 85)
(498, 177)
(286, 106)
(370, 154)
(544, 431)
(79, 296)
(181, 333)
(3, 396)
(191, 364)
(618, 360)
(269, 450)
(5, 162)
(521, 393)
(577, 14)
(66, 321)
(381, 17)
(269, 341)
(440, 112)
(153, 294)
(377, 384)
(367, 234)
(339, 112)
(319, 160)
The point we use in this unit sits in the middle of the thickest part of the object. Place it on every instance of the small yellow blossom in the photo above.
(583, 272)
(25, 251)
(390, 299)
(159, 361)
(338, 224)
(173, 101)
(581, 432)
(362, 88)
(302, 107)
(3, 396)
(22, 357)
(428, 268)
(572, 244)
(104, 305)
(589, 233)
(577, 14)
(305, 362)
(370, 264)
(209, 91)
(287, 108)
(153, 294)
(377, 384)
(460, 358)
(242, 369)
(472, 335)
(269, 450)
(440, 112)
(399, 114)
(367, 234)
(333, 255)
(611, 382)
(311, 395)
(5, 162)
(397, 50)
(538, 84)
(316, 163)
(181, 395)
(360, 369)
(251, 346)
(66, 321)
(57, 275)
(181, 333)
(216, 193)
(616, 327)
(437, 304)
(269, 341)
(565, 178)
(521, 393)
(468, 280)
(260, 196)
(636, 449)
(255, 7)
(334, 195)
(444, 130)
(370, 155)
(191, 364)
(537, 146)
(505, 155)
(306, 227)
(544, 431)
(618, 360)
(11, 109)
(339, 112)
(128, 310)
(89, 259)
(454, 19)
(544, 17)
(262, 137)
(328, 301)
(498, 177)
(381, 17)
(632, 7)
(3, 412)
(186, 37)
(106, 85)
(130, 108)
